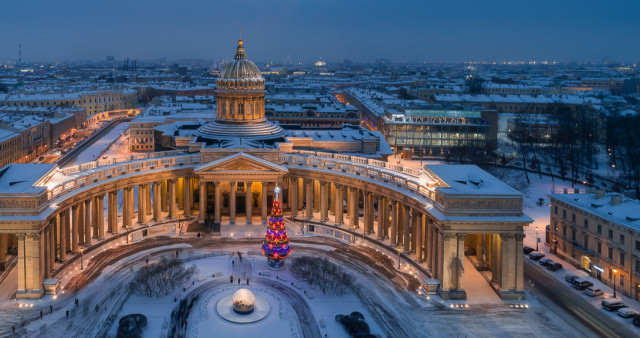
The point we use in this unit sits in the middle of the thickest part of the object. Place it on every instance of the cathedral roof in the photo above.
(240, 68)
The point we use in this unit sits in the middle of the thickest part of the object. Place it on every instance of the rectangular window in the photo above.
(637, 245)
(610, 253)
(564, 231)
(573, 235)
(564, 214)
(622, 238)
(573, 218)
(637, 265)
(555, 209)
(621, 280)
(610, 234)
(599, 248)
(586, 224)
(621, 259)
(585, 241)
(599, 229)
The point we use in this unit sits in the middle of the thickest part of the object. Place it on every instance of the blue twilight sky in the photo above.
(359, 30)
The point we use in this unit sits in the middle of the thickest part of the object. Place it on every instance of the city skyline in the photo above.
(492, 31)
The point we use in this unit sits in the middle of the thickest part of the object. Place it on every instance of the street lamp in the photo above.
(81, 262)
(537, 239)
(399, 250)
(615, 271)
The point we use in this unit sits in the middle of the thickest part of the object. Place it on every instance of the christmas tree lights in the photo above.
(276, 242)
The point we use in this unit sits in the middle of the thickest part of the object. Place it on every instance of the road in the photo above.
(556, 295)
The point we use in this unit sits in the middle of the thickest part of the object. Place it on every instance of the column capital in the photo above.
(323, 183)
(216, 183)
(200, 183)
(172, 180)
(507, 236)
(21, 236)
(33, 236)
(447, 235)
(462, 236)
(308, 180)
(520, 237)
(75, 207)
(232, 183)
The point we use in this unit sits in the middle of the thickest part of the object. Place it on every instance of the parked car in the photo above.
(626, 312)
(544, 261)
(581, 284)
(636, 320)
(554, 266)
(593, 292)
(570, 278)
(612, 304)
(527, 250)
(536, 255)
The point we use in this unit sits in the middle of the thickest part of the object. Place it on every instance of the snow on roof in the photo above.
(6, 134)
(626, 212)
(20, 178)
(469, 180)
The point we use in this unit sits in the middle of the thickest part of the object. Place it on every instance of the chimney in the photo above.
(616, 199)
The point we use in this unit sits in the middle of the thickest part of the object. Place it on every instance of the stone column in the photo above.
(203, 201)
(64, 234)
(94, 217)
(156, 201)
(460, 262)
(356, 207)
(495, 266)
(418, 239)
(508, 262)
(4, 245)
(180, 193)
(147, 199)
(127, 208)
(380, 227)
(248, 202)
(163, 195)
(52, 244)
(338, 205)
(371, 212)
(449, 277)
(324, 202)
(394, 222)
(301, 195)
(406, 241)
(428, 241)
(131, 207)
(87, 222)
(309, 199)
(316, 195)
(263, 207)
(81, 225)
(74, 228)
(232, 203)
(110, 219)
(293, 185)
(173, 208)
(217, 202)
(480, 243)
(101, 217)
(30, 263)
(186, 197)
(519, 272)
(332, 197)
(44, 252)
(142, 204)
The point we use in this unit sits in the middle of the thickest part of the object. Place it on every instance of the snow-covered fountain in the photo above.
(243, 306)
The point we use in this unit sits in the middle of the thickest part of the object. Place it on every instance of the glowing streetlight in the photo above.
(537, 239)
(399, 251)
(81, 262)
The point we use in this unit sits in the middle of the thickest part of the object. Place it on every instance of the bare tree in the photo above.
(159, 279)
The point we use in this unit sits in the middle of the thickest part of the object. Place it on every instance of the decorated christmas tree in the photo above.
(276, 242)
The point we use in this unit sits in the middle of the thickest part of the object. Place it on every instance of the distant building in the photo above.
(598, 233)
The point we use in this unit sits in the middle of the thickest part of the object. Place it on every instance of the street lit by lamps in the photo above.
(615, 271)
(81, 262)
(537, 239)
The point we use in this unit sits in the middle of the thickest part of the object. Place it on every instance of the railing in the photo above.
(92, 177)
(117, 159)
(405, 178)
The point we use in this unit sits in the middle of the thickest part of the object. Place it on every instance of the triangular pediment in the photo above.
(240, 162)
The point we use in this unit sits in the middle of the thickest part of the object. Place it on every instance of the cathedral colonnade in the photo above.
(240, 188)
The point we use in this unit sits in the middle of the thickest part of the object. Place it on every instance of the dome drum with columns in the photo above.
(240, 103)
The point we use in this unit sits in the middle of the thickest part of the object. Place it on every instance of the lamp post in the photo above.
(399, 250)
(537, 239)
(81, 262)
(615, 271)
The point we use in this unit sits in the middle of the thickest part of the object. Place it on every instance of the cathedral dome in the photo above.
(240, 68)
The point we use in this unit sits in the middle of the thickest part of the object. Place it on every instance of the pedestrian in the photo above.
(41, 313)
(50, 309)
(147, 261)
(247, 281)
(13, 329)
(77, 302)
(67, 313)
(238, 281)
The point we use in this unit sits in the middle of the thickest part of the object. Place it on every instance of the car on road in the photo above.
(593, 292)
(581, 284)
(527, 250)
(570, 278)
(544, 261)
(536, 255)
(636, 320)
(554, 266)
(612, 304)
(626, 312)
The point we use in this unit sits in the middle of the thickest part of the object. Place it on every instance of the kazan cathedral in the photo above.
(335, 181)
